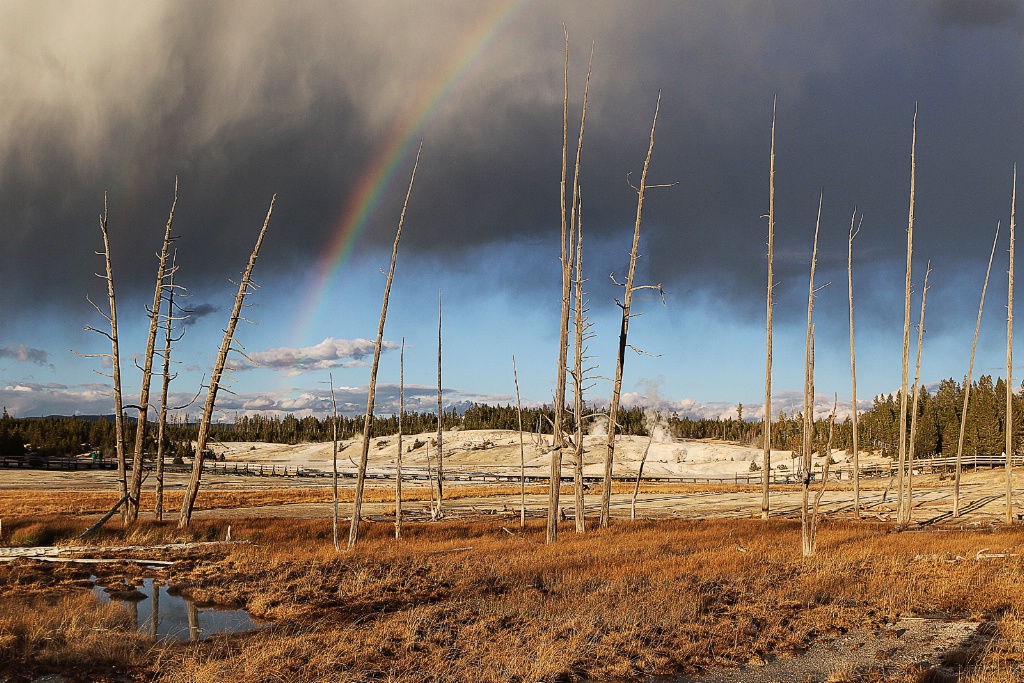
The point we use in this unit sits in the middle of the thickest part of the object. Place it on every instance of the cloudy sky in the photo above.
(325, 103)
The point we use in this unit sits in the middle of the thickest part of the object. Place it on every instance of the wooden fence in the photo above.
(511, 475)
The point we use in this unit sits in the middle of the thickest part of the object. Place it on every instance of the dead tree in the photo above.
(432, 483)
(967, 384)
(808, 426)
(639, 475)
(245, 285)
(568, 258)
(135, 489)
(1009, 361)
(579, 372)
(334, 465)
(167, 378)
(767, 457)
(115, 363)
(353, 530)
(627, 299)
(853, 369)
(438, 513)
(563, 323)
(813, 531)
(909, 507)
(398, 461)
(522, 451)
(906, 324)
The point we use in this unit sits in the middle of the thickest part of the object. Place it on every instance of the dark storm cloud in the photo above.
(24, 354)
(297, 98)
(197, 313)
(975, 13)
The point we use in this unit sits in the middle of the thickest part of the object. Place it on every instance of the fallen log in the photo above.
(103, 520)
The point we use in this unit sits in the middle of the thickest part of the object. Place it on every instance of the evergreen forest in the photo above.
(938, 427)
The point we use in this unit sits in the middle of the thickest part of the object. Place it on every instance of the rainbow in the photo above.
(396, 153)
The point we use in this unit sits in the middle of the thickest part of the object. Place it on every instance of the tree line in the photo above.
(938, 426)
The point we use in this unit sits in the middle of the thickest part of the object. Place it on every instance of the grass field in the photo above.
(473, 601)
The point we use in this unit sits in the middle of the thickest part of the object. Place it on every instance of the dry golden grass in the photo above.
(66, 631)
(467, 601)
(14, 502)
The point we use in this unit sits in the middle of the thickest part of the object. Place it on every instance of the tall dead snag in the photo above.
(767, 457)
(808, 426)
(568, 262)
(522, 451)
(115, 362)
(167, 377)
(334, 464)
(563, 324)
(627, 299)
(909, 508)
(853, 369)
(398, 461)
(353, 530)
(906, 326)
(813, 531)
(1009, 361)
(438, 513)
(579, 372)
(967, 384)
(245, 285)
(135, 488)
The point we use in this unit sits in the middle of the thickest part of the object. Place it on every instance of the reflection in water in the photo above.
(193, 621)
(174, 617)
(155, 597)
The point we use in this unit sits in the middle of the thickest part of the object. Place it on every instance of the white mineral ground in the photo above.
(496, 452)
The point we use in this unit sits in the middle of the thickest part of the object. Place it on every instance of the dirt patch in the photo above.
(939, 648)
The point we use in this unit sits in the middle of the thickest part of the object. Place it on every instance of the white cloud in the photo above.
(328, 354)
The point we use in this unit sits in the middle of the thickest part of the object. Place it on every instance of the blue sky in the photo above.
(297, 99)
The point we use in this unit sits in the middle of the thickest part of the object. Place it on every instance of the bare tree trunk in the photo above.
(639, 474)
(431, 482)
(334, 467)
(967, 384)
(808, 448)
(906, 327)
(563, 330)
(1009, 361)
(808, 431)
(244, 286)
(398, 461)
(168, 340)
(767, 458)
(440, 416)
(115, 361)
(580, 320)
(522, 451)
(568, 259)
(853, 371)
(147, 368)
(909, 511)
(824, 477)
(627, 299)
(353, 531)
